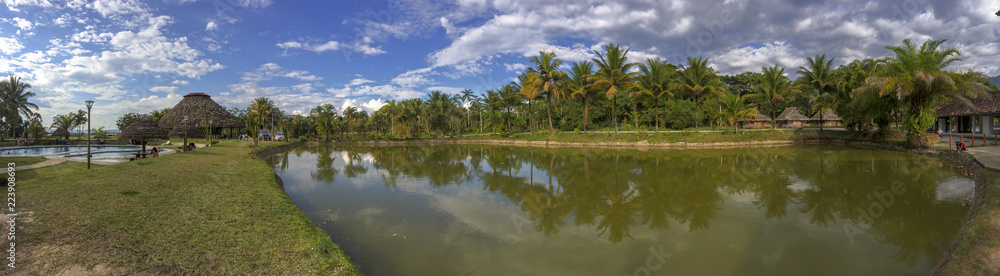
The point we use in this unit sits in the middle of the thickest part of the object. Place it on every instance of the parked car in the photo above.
(264, 135)
(279, 136)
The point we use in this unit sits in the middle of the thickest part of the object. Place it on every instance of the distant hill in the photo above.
(995, 80)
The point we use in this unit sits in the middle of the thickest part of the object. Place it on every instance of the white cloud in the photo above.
(9, 45)
(180, 82)
(211, 26)
(753, 58)
(331, 45)
(445, 89)
(515, 67)
(13, 4)
(369, 106)
(165, 89)
(23, 24)
(413, 78)
(116, 7)
(359, 81)
(268, 71)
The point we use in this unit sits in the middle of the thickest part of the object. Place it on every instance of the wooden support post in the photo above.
(973, 140)
(949, 141)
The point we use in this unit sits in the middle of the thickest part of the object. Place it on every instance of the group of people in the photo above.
(189, 146)
(25, 142)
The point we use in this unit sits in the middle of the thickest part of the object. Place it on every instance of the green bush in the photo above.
(303, 139)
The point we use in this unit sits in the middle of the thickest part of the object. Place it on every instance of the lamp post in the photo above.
(89, 105)
(185, 145)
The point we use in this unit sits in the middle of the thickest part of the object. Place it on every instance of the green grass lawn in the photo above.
(22, 161)
(211, 211)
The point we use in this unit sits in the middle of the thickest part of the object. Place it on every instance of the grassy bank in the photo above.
(978, 251)
(211, 211)
(22, 161)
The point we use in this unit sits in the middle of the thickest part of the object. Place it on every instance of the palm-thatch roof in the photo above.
(828, 115)
(791, 114)
(143, 128)
(757, 117)
(192, 132)
(200, 109)
(43, 132)
(989, 104)
(61, 132)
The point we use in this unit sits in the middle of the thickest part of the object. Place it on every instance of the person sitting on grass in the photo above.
(154, 152)
(191, 146)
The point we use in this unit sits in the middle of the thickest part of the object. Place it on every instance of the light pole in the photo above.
(185, 145)
(89, 105)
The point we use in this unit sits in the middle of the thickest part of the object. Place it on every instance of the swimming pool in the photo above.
(47, 150)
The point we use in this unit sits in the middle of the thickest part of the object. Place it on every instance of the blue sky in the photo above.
(137, 56)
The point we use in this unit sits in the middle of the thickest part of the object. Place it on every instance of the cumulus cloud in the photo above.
(10, 45)
(211, 26)
(331, 45)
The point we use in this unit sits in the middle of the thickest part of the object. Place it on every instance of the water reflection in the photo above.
(886, 196)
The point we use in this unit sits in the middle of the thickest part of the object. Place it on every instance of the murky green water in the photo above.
(485, 210)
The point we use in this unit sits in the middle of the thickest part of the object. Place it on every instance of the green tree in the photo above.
(543, 78)
(917, 76)
(581, 85)
(325, 119)
(125, 120)
(735, 108)
(259, 111)
(15, 102)
(613, 75)
(654, 81)
(696, 81)
(818, 77)
(157, 114)
(774, 85)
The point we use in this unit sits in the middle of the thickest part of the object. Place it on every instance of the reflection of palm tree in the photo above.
(325, 171)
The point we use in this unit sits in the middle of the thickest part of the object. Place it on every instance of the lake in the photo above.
(496, 210)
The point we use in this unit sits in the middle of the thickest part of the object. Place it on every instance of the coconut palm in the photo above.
(325, 119)
(818, 77)
(917, 77)
(511, 98)
(581, 85)
(614, 76)
(527, 88)
(15, 102)
(467, 97)
(773, 87)
(697, 81)
(543, 78)
(735, 108)
(654, 81)
(258, 112)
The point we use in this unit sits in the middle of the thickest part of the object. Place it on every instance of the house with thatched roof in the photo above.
(828, 118)
(972, 116)
(143, 129)
(61, 132)
(757, 120)
(201, 110)
(791, 117)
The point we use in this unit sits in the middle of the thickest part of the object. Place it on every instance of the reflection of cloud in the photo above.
(956, 188)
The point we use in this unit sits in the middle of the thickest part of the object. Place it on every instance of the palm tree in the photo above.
(581, 84)
(528, 90)
(697, 81)
(917, 77)
(15, 101)
(818, 77)
(393, 110)
(511, 99)
(157, 114)
(543, 79)
(467, 97)
(654, 80)
(259, 111)
(774, 85)
(325, 119)
(736, 109)
(613, 74)
(442, 105)
(494, 103)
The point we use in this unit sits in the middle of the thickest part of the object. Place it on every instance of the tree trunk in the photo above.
(531, 119)
(586, 112)
(548, 109)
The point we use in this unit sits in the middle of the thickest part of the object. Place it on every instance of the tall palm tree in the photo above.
(494, 103)
(697, 81)
(735, 108)
(258, 112)
(467, 97)
(773, 87)
(511, 99)
(442, 105)
(325, 119)
(530, 93)
(543, 79)
(581, 84)
(393, 110)
(15, 101)
(917, 76)
(654, 80)
(613, 75)
(818, 77)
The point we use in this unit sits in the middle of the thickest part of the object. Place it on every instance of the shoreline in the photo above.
(944, 266)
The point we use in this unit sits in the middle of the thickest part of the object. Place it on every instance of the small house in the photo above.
(828, 118)
(791, 117)
(756, 121)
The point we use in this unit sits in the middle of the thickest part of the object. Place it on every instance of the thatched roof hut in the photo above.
(791, 114)
(989, 104)
(143, 129)
(192, 132)
(200, 109)
(61, 132)
(757, 117)
(828, 115)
